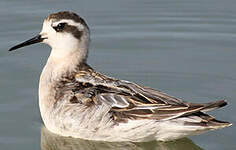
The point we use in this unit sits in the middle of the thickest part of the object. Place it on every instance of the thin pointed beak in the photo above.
(34, 40)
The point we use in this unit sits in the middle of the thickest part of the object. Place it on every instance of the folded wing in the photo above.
(129, 100)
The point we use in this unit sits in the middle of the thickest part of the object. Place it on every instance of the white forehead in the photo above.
(69, 22)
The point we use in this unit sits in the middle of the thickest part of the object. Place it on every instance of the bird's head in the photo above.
(66, 32)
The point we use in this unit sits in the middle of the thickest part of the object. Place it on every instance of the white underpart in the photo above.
(146, 130)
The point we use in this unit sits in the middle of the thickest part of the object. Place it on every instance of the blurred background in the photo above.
(185, 48)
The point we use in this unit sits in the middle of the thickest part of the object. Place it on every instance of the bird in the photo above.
(77, 101)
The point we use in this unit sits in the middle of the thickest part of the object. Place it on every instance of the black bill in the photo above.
(34, 40)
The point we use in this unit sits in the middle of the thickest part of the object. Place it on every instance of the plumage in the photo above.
(129, 100)
(77, 101)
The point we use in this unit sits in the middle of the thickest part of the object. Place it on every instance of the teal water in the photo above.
(185, 48)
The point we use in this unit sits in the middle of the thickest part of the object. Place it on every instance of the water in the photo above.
(185, 48)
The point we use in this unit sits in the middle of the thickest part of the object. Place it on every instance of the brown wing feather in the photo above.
(129, 100)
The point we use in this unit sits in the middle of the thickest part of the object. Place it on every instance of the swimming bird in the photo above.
(79, 102)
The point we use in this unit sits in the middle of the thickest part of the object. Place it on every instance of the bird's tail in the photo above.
(193, 123)
(213, 105)
(200, 118)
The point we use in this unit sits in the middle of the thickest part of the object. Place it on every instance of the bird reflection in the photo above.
(51, 141)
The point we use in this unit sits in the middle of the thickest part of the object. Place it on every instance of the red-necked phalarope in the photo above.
(79, 102)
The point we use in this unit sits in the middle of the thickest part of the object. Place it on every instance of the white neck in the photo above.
(66, 56)
(57, 64)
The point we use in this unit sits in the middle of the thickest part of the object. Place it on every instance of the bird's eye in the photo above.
(60, 27)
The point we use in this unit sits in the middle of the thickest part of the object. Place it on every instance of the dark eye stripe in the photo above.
(60, 27)
(64, 27)
(74, 31)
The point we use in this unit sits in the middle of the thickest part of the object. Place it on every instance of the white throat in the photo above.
(67, 54)
(67, 59)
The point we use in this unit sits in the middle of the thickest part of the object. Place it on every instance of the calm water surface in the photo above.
(185, 48)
